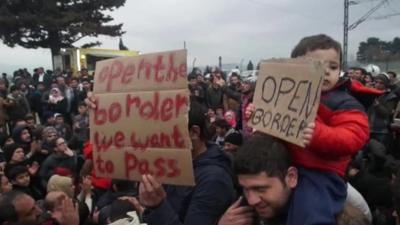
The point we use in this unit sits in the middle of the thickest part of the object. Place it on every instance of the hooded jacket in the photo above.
(204, 203)
(341, 130)
(54, 161)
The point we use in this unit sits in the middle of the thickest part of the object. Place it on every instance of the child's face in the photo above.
(82, 109)
(331, 60)
(22, 180)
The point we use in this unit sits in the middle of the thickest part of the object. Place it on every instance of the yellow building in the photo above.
(80, 58)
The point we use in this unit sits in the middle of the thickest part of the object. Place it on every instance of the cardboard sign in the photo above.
(287, 97)
(140, 124)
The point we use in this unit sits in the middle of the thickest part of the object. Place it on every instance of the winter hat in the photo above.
(9, 151)
(383, 77)
(234, 138)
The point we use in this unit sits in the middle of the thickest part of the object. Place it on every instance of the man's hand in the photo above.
(237, 215)
(308, 133)
(69, 213)
(91, 100)
(151, 192)
(35, 147)
(33, 169)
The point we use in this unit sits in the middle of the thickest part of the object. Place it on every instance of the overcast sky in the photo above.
(237, 30)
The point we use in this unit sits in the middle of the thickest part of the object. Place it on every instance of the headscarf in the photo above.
(54, 98)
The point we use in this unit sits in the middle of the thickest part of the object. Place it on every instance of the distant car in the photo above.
(251, 75)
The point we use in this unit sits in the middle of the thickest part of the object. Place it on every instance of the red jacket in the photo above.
(341, 131)
(102, 183)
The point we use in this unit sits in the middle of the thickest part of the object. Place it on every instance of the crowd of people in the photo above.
(348, 173)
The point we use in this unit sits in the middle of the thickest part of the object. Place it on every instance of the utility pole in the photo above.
(345, 34)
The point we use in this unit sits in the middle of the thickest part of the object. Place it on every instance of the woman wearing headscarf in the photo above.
(56, 103)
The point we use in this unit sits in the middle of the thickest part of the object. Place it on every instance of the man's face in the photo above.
(350, 73)
(25, 136)
(30, 122)
(27, 211)
(357, 75)
(59, 120)
(268, 195)
(229, 147)
(86, 85)
(380, 84)
(60, 81)
(61, 145)
(331, 60)
(18, 155)
(73, 84)
(246, 87)
(5, 185)
(51, 136)
(235, 80)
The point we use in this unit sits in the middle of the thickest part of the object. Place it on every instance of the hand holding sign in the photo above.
(151, 192)
(287, 98)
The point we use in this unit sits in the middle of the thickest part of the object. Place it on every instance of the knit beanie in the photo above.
(234, 138)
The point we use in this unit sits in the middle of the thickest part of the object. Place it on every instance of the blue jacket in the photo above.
(204, 203)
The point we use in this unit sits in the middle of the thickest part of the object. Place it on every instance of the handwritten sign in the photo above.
(140, 123)
(287, 97)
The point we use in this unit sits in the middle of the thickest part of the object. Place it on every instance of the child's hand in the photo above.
(308, 133)
(249, 110)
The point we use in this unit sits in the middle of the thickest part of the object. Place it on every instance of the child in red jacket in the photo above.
(339, 132)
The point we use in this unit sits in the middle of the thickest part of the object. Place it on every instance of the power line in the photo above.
(384, 16)
(366, 15)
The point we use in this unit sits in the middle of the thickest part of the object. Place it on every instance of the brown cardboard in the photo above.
(142, 117)
(287, 97)
(148, 72)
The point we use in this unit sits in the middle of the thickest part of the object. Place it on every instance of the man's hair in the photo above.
(262, 153)
(222, 123)
(16, 171)
(119, 208)
(394, 74)
(197, 117)
(7, 208)
(234, 74)
(82, 103)
(125, 185)
(362, 70)
(315, 42)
